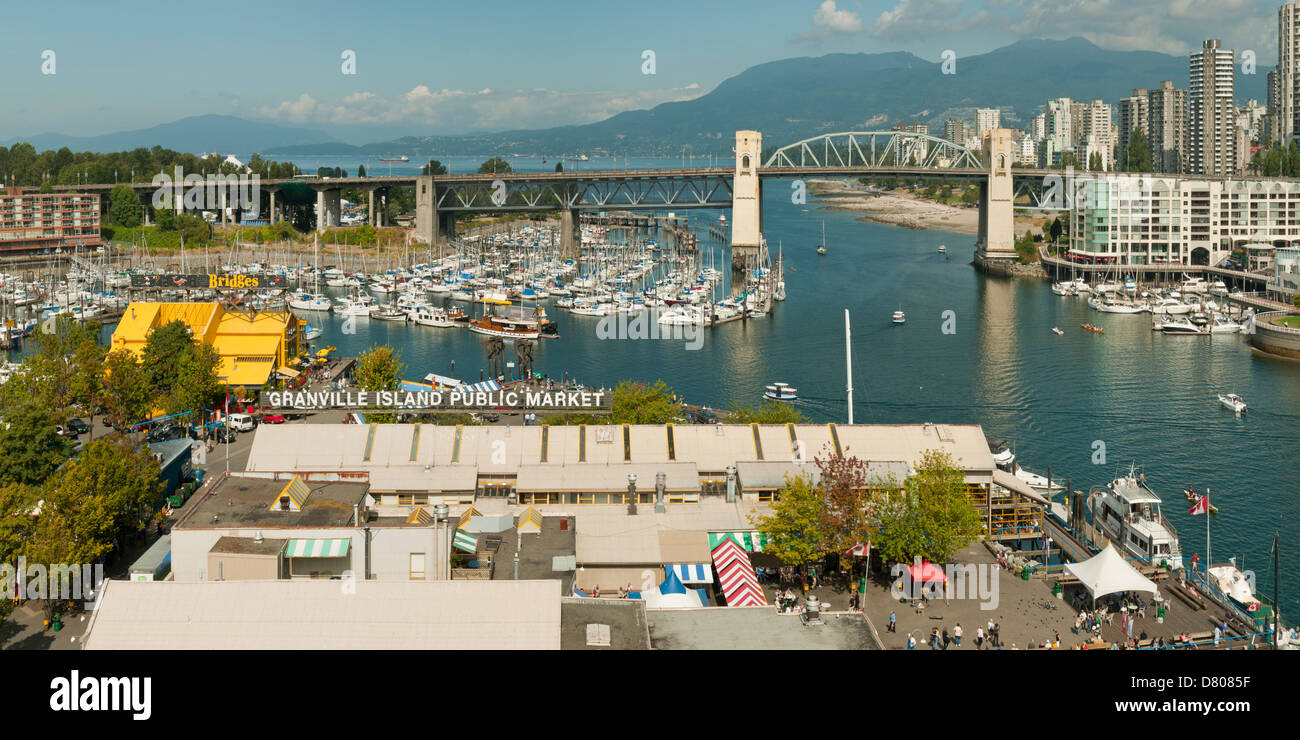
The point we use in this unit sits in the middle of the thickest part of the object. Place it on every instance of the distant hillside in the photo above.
(196, 135)
(793, 99)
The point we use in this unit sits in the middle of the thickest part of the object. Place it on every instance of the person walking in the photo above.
(946, 640)
(956, 634)
(1217, 634)
(979, 638)
(934, 638)
(893, 627)
(911, 642)
(997, 639)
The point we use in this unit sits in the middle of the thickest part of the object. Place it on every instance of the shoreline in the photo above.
(904, 209)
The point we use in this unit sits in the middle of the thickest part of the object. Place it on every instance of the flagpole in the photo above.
(1209, 561)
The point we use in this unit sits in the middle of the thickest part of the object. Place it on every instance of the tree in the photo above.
(1094, 162)
(380, 369)
(1057, 229)
(1137, 156)
(361, 170)
(794, 525)
(197, 382)
(126, 395)
(931, 516)
(559, 166)
(851, 492)
(970, 196)
(494, 166)
(768, 412)
(30, 445)
(634, 402)
(65, 370)
(434, 167)
(1068, 159)
(164, 351)
(16, 504)
(124, 207)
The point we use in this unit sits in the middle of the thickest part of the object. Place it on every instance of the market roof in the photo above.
(241, 501)
(678, 476)
(312, 614)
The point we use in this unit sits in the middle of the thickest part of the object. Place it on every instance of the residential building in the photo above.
(955, 130)
(32, 222)
(1286, 84)
(1026, 151)
(1059, 122)
(1167, 128)
(1212, 111)
(1133, 116)
(1270, 129)
(986, 119)
(1190, 221)
(1038, 127)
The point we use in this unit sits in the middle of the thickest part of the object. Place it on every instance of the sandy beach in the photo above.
(901, 208)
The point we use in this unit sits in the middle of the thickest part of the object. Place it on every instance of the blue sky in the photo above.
(456, 67)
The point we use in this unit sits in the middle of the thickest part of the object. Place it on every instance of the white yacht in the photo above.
(1170, 306)
(1005, 459)
(427, 316)
(1234, 584)
(1128, 513)
(1194, 285)
(780, 392)
(357, 306)
(1232, 402)
(310, 302)
(899, 317)
(1223, 325)
(1181, 326)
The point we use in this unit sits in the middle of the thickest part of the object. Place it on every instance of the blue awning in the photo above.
(692, 572)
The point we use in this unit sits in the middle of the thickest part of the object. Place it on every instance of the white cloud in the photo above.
(829, 20)
(921, 18)
(450, 111)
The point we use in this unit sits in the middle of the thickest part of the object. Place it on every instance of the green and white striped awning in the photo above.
(750, 541)
(465, 541)
(318, 548)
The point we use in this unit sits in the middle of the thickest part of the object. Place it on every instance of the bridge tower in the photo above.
(997, 231)
(746, 200)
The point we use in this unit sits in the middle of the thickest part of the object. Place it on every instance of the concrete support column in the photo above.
(570, 234)
(223, 192)
(321, 216)
(746, 200)
(997, 226)
(270, 216)
(145, 202)
(446, 228)
(370, 218)
(426, 210)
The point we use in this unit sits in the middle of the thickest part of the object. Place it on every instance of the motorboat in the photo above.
(1005, 460)
(1194, 285)
(1218, 288)
(1223, 325)
(427, 316)
(1234, 584)
(780, 392)
(1232, 402)
(311, 302)
(899, 317)
(388, 313)
(1063, 289)
(1057, 331)
(1181, 326)
(1127, 512)
(943, 249)
(1170, 306)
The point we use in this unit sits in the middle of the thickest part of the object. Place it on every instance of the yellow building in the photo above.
(251, 345)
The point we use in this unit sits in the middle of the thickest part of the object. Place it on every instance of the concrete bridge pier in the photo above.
(370, 213)
(570, 234)
(270, 213)
(746, 201)
(426, 210)
(146, 202)
(997, 236)
(327, 209)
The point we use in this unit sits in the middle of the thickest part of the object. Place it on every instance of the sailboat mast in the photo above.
(848, 362)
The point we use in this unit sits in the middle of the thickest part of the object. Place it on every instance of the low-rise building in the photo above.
(47, 221)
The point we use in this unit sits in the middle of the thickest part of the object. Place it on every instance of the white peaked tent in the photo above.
(1108, 572)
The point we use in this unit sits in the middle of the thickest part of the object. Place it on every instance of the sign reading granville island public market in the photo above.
(590, 402)
(211, 281)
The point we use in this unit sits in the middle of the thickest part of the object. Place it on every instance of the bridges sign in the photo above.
(214, 281)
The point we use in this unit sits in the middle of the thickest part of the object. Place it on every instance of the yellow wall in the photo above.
(250, 346)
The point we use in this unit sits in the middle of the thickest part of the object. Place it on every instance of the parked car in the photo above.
(273, 418)
(78, 426)
(222, 434)
(164, 431)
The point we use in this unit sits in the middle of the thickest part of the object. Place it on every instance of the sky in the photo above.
(437, 68)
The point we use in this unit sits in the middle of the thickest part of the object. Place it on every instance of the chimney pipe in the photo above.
(731, 484)
(631, 494)
(367, 574)
(659, 492)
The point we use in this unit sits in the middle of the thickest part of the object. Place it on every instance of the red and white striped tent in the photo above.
(736, 575)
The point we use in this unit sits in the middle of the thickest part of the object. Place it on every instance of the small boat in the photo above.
(943, 249)
(1057, 330)
(388, 313)
(310, 332)
(821, 248)
(1232, 402)
(780, 392)
(1182, 326)
(1194, 497)
(1093, 328)
(899, 317)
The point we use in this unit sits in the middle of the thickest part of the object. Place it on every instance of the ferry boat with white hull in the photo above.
(780, 392)
(1128, 513)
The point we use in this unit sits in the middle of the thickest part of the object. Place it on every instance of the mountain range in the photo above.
(787, 100)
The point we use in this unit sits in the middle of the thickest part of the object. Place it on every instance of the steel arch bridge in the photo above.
(874, 149)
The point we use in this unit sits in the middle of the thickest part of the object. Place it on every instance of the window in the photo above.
(417, 566)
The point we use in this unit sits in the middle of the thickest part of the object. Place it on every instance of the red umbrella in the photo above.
(927, 572)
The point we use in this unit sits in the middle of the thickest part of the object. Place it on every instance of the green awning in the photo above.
(750, 541)
(465, 541)
(318, 548)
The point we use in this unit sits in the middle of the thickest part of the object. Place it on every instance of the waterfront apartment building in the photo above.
(1167, 128)
(1171, 220)
(1284, 81)
(1211, 111)
(986, 119)
(31, 222)
(1133, 116)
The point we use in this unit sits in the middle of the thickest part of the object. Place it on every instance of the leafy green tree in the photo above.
(970, 196)
(124, 207)
(380, 369)
(65, 370)
(16, 502)
(164, 351)
(47, 186)
(197, 382)
(434, 167)
(851, 492)
(1095, 163)
(30, 446)
(494, 166)
(1137, 156)
(126, 395)
(634, 402)
(1068, 159)
(361, 170)
(930, 516)
(1057, 229)
(794, 524)
(559, 166)
(768, 412)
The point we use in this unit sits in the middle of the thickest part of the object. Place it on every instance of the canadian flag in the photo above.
(1202, 505)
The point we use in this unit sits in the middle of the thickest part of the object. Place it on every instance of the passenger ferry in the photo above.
(780, 392)
(1128, 513)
